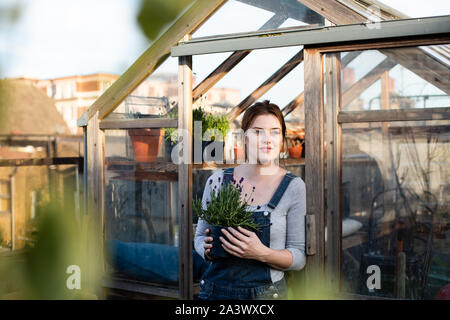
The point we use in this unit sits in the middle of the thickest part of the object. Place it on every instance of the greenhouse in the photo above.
(367, 108)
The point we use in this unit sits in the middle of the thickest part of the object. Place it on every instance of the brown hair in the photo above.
(262, 108)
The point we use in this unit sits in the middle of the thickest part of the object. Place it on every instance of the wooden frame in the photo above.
(313, 63)
(138, 124)
(394, 115)
(314, 168)
(185, 179)
(333, 170)
(311, 99)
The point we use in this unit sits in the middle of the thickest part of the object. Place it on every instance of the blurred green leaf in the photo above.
(155, 15)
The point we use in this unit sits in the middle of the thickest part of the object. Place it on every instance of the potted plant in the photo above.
(209, 121)
(217, 122)
(146, 142)
(296, 148)
(225, 209)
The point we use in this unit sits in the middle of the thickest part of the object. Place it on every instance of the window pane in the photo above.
(155, 97)
(395, 187)
(400, 78)
(141, 199)
(233, 17)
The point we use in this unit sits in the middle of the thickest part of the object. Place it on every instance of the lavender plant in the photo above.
(226, 208)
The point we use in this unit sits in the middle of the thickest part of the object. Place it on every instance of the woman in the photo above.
(256, 268)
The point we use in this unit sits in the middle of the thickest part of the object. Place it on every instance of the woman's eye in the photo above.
(275, 132)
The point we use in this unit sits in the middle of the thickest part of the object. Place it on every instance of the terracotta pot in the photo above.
(146, 143)
(295, 152)
(239, 154)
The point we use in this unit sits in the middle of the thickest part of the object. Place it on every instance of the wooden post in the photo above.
(333, 155)
(314, 156)
(401, 275)
(96, 183)
(185, 122)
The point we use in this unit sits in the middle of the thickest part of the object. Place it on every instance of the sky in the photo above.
(56, 38)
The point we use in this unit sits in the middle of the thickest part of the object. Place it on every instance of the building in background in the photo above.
(74, 94)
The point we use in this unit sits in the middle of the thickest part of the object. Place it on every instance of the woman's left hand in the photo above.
(243, 243)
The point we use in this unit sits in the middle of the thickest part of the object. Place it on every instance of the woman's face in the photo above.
(264, 139)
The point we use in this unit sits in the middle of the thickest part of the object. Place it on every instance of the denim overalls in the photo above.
(237, 278)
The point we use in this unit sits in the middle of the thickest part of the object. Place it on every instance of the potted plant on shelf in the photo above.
(146, 142)
(296, 148)
(295, 141)
(209, 121)
(225, 209)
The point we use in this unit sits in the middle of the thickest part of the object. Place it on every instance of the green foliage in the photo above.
(209, 121)
(226, 208)
(155, 15)
(40, 271)
(217, 122)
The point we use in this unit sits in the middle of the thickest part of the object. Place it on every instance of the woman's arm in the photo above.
(202, 225)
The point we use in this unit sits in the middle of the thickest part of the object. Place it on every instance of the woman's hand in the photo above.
(243, 243)
(207, 245)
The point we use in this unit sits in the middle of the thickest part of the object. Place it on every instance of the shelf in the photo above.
(139, 171)
(167, 171)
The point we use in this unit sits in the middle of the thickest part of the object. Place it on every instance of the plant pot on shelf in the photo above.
(295, 152)
(239, 154)
(146, 143)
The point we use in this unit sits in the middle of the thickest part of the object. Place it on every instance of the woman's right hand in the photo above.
(208, 245)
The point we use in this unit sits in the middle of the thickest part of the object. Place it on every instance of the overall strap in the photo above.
(227, 175)
(288, 177)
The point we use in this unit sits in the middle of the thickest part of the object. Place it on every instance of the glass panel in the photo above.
(400, 78)
(141, 199)
(246, 77)
(418, 9)
(155, 97)
(233, 17)
(30, 190)
(396, 208)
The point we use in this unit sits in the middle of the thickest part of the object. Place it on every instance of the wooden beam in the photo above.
(296, 103)
(41, 162)
(236, 57)
(185, 178)
(219, 73)
(419, 62)
(314, 167)
(197, 13)
(340, 14)
(365, 82)
(96, 197)
(333, 170)
(266, 86)
(138, 123)
(419, 114)
(349, 57)
(334, 11)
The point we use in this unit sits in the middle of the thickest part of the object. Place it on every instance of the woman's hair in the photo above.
(262, 108)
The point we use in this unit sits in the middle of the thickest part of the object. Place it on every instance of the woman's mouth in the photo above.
(267, 149)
